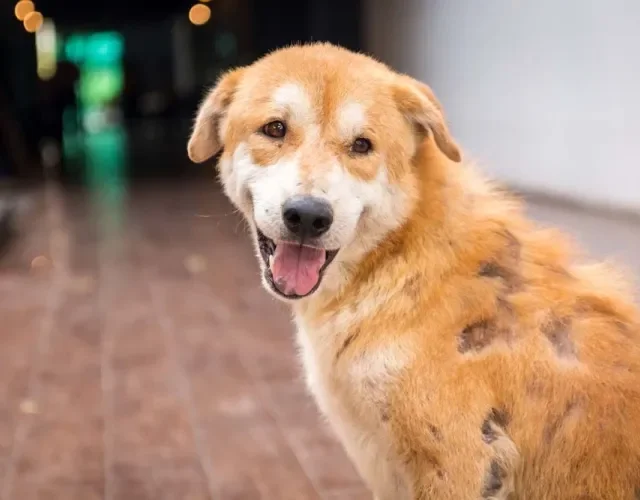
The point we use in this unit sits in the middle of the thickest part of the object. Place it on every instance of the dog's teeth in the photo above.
(270, 261)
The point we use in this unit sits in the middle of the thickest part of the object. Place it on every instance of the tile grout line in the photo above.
(43, 343)
(107, 378)
(260, 386)
(183, 387)
(108, 373)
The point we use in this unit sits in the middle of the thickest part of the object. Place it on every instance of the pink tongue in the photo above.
(296, 269)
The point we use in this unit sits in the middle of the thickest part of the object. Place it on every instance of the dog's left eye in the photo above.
(361, 146)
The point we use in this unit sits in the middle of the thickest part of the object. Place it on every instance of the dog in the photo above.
(458, 350)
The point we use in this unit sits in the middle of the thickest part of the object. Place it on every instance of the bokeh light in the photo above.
(46, 50)
(40, 262)
(23, 8)
(199, 14)
(33, 21)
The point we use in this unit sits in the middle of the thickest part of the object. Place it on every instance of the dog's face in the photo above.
(318, 146)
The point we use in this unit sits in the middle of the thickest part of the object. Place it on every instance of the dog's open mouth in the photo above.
(292, 269)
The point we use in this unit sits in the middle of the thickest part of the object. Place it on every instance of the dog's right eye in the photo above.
(275, 129)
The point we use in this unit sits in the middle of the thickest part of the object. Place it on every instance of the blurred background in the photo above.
(139, 357)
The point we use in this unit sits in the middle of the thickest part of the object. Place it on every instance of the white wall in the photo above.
(545, 94)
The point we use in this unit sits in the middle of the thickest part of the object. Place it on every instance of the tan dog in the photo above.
(458, 350)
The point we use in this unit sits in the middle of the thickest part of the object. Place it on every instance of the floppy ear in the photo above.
(206, 140)
(417, 101)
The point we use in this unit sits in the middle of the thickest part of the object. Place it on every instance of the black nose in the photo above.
(307, 216)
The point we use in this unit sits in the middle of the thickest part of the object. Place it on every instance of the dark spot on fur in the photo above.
(492, 270)
(497, 419)
(412, 286)
(494, 480)
(476, 336)
(506, 265)
(513, 245)
(410, 457)
(501, 417)
(435, 432)
(432, 461)
(558, 270)
(422, 459)
(385, 413)
(589, 304)
(489, 435)
(509, 276)
(557, 332)
(637, 492)
(345, 345)
(397, 249)
(480, 335)
(553, 427)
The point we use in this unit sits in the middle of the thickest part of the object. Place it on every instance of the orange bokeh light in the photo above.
(33, 21)
(23, 8)
(199, 14)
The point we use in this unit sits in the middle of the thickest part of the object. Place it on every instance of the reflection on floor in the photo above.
(141, 360)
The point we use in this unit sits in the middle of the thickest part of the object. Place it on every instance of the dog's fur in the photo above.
(459, 351)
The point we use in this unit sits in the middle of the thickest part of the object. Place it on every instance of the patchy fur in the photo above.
(458, 350)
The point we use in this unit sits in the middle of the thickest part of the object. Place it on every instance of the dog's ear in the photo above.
(418, 103)
(206, 137)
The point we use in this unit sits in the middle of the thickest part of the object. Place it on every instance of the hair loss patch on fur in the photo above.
(480, 335)
(435, 432)
(573, 410)
(506, 265)
(496, 418)
(494, 481)
(557, 330)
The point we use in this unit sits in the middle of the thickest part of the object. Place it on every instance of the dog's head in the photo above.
(318, 154)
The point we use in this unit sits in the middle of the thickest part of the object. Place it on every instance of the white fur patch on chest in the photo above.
(356, 401)
(366, 373)
(374, 371)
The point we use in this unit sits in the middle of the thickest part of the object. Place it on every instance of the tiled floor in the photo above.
(140, 359)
